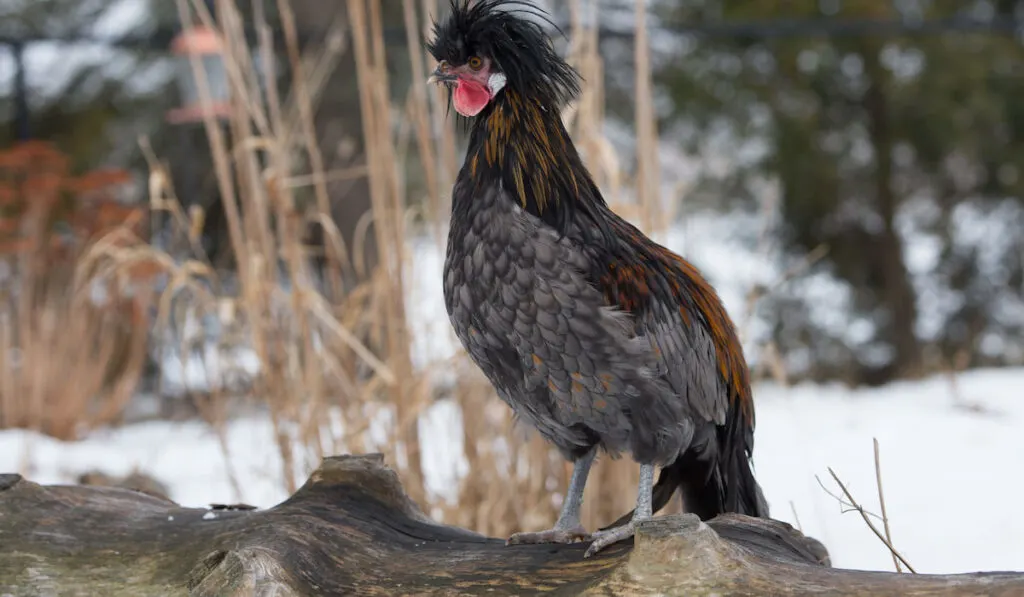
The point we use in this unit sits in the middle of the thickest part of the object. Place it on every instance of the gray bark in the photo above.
(351, 530)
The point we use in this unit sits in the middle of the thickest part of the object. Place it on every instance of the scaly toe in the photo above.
(603, 539)
(549, 536)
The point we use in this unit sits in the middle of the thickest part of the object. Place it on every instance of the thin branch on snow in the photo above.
(852, 505)
(845, 506)
(881, 503)
(796, 518)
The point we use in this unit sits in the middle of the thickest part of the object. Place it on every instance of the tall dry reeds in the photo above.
(74, 294)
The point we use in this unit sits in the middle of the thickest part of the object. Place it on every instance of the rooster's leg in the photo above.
(568, 528)
(644, 509)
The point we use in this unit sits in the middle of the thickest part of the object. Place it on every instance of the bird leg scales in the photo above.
(644, 510)
(568, 527)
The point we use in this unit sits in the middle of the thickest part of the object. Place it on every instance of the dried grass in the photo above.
(73, 302)
(71, 362)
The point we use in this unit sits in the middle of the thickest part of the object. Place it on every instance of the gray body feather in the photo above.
(526, 307)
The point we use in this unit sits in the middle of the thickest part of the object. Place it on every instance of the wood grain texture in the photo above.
(351, 530)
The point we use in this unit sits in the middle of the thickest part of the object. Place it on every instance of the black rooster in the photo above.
(593, 333)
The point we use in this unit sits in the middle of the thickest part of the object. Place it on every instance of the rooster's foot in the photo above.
(603, 539)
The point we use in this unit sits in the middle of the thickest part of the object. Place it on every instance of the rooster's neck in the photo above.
(521, 143)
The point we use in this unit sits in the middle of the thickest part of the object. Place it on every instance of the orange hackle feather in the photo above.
(522, 141)
(626, 285)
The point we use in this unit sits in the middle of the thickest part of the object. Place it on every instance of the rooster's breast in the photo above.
(481, 269)
(487, 279)
(491, 276)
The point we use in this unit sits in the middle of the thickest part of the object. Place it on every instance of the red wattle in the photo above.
(470, 97)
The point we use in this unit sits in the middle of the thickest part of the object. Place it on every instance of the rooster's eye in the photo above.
(475, 63)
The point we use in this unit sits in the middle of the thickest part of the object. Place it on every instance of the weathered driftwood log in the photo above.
(351, 530)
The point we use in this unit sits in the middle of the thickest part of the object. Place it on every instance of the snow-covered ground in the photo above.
(951, 476)
(949, 473)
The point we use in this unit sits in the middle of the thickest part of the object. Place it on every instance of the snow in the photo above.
(946, 470)
(187, 456)
(433, 338)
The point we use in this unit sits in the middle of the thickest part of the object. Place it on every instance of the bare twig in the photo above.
(304, 102)
(759, 292)
(852, 503)
(796, 518)
(772, 360)
(881, 503)
(846, 506)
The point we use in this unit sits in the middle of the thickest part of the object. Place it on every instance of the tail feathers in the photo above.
(736, 441)
(743, 495)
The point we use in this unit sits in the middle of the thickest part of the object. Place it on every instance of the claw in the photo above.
(555, 535)
(603, 539)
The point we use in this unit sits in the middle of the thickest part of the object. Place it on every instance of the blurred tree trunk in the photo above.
(897, 293)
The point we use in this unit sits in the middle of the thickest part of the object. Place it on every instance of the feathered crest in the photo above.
(503, 31)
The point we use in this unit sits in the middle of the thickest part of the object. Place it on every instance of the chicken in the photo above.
(591, 332)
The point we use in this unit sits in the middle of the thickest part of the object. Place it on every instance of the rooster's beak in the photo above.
(440, 76)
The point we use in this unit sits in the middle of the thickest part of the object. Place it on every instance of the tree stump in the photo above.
(352, 530)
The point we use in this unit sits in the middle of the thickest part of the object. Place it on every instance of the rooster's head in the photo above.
(488, 46)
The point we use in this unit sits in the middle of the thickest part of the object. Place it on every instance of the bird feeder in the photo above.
(199, 41)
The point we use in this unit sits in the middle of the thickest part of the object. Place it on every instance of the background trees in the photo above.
(892, 134)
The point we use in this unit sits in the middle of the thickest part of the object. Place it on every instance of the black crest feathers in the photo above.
(508, 32)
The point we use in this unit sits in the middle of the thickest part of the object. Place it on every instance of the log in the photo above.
(352, 530)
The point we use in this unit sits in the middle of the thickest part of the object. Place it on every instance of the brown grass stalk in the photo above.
(64, 388)
(73, 306)
(648, 176)
(881, 502)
